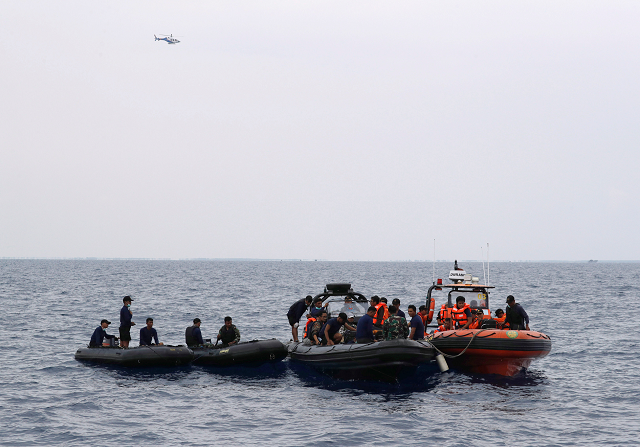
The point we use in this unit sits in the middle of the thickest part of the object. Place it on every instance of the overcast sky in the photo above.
(333, 130)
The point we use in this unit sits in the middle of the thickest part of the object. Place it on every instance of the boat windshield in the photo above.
(347, 306)
(476, 299)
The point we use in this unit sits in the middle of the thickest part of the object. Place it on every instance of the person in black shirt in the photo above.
(100, 334)
(229, 333)
(516, 316)
(148, 334)
(193, 335)
(296, 311)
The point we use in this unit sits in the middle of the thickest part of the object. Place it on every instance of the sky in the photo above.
(358, 130)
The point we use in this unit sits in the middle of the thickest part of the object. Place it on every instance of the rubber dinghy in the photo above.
(140, 356)
(251, 353)
(381, 360)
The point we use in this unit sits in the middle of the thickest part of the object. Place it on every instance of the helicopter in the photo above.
(169, 39)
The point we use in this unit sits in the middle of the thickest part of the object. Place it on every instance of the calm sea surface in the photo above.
(586, 392)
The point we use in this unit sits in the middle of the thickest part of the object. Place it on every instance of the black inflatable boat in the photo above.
(140, 356)
(251, 353)
(381, 360)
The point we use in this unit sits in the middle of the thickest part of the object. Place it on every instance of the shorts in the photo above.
(292, 322)
(125, 333)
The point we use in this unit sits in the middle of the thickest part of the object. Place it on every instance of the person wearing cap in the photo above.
(330, 332)
(350, 336)
(417, 327)
(517, 318)
(364, 331)
(296, 311)
(193, 335)
(229, 333)
(100, 334)
(445, 326)
(125, 322)
(149, 334)
(500, 317)
(395, 326)
(461, 314)
(396, 302)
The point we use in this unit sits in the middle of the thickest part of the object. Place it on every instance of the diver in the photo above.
(395, 326)
(125, 322)
(229, 333)
(516, 317)
(193, 335)
(296, 311)
(417, 327)
(364, 331)
(100, 334)
(149, 334)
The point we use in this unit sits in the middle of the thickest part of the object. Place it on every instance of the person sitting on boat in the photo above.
(395, 326)
(313, 334)
(148, 334)
(348, 305)
(330, 331)
(364, 331)
(441, 314)
(516, 317)
(396, 302)
(476, 319)
(193, 334)
(423, 312)
(461, 314)
(500, 317)
(296, 311)
(125, 322)
(350, 336)
(417, 327)
(100, 334)
(229, 333)
(446, 326)
(382, 313)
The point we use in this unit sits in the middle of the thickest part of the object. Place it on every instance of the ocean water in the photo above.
(586, 392)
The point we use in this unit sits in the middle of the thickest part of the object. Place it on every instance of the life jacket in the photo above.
(442, 311)
(308, 326)
(500, 321)
(440, 328)
(228, 335)
(432, 306)
(475, 324)
(377, 321)
(188, 335)
(458, 316)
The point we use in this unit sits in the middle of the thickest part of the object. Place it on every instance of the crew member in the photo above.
(193, 334)
(229, 333)
(348, 306)
(381, 310)
(396, 302)
(350, 336)
(476, 319)
(364, 331)
(500, 317)
(100, 334)
(446, 326)
(516, 317)
(440, 316)
(125, 322)
(461, 314)
(317, 307)
(395, 326)
(423, 312)
(417, 328)
(296, 311)
(308, 326)
(330, 331)
(148, 334)
(313, 335)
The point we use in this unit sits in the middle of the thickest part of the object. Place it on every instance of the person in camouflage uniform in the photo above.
(229, 333)
(394, 326)
(313, 337)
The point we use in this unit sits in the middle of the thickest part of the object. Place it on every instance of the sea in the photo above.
(585, 392)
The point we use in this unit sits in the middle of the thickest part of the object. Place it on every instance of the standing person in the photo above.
(461, 314)
(423, 312)
(417, 328)
(381, 311)
(395, 326)
(229, 333)
(100, 334)
(125, 322)
(296, 311)
(364, 331)
(193, 335)
(396, 302)
(148, 334)
(330, 331)
(517, 318)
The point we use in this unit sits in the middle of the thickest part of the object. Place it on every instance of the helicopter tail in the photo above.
(154, 36)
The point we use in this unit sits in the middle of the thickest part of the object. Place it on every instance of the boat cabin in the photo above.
(463, 284)
(340, 297)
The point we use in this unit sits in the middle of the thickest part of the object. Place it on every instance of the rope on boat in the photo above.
(450, 356)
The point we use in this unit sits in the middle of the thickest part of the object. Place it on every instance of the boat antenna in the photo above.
(434, 262)
(488, 271)
(483, 272)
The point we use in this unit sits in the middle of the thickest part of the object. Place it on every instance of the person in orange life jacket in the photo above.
(296, 311)
(446, 326)
(476, 319)
(385, 303)
(500, 317)
(307, 326)
(461, 314)
(424, 314)
(331, 329)
(440, 317)
(516, 316)
(417, 328)
(399, 313)
(313, 334)
(149, 334)
(378, 319)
